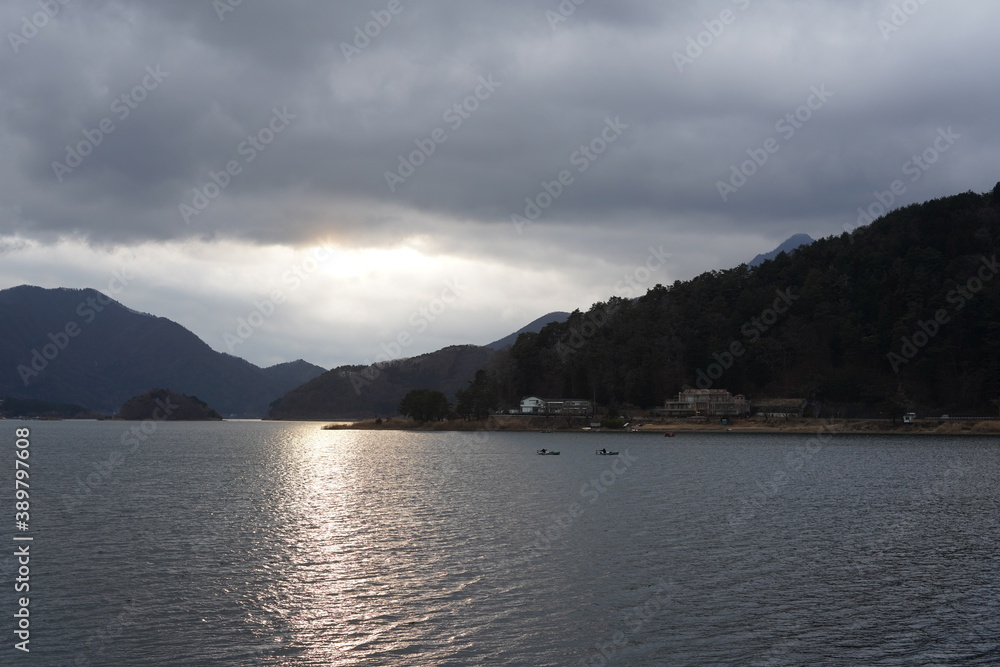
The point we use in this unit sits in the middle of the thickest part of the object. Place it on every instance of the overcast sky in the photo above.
(360, 163)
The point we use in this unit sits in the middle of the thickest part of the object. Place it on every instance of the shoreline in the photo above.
(744, 426)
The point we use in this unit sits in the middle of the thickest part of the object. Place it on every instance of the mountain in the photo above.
(356, 392)
(533, 327)
(901, 312)
(79, 346)
(788, 245)
(291, 374)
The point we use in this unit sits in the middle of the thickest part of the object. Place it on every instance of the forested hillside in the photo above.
(902, 312)
(351, 392)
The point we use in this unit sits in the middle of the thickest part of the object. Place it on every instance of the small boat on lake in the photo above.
(604, 452)
(547, 452)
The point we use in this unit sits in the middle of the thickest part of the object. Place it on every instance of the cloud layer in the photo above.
(534, 150)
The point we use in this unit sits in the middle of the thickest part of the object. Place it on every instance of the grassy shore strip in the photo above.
(565, 425)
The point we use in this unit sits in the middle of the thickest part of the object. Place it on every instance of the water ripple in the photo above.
(281, 544)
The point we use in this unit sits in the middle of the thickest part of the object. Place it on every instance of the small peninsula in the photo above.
(165, 405)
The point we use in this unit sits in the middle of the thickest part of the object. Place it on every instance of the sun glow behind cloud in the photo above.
(329, 304)
(321, 182)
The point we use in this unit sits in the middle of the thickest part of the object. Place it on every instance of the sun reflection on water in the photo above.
(336, 514)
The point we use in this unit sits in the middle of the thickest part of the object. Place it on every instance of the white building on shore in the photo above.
(533, 405)
(706, 403)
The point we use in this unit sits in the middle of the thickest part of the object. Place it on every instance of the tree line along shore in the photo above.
(792, 425)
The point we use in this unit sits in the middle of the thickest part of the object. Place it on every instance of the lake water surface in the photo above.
(264, 543)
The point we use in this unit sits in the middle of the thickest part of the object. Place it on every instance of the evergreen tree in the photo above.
(424, 405)
(479, 399)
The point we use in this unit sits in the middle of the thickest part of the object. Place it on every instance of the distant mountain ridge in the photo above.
(534, 327)
(357, 392)
(293, 373)
(80, 346)
(788, 245)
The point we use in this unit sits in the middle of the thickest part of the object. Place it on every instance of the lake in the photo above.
(270, 543)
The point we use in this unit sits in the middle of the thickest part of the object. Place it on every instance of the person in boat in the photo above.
(543, 450)
(604, 450)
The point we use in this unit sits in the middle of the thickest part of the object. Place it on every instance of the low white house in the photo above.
(532, 405)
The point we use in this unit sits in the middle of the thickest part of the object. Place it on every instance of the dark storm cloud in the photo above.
(549, 82)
